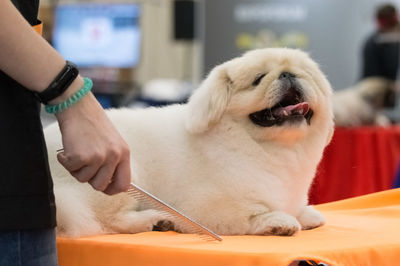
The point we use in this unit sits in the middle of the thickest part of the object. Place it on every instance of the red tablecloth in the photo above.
(358, 161)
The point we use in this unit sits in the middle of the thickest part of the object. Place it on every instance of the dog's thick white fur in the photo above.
(362, 104)
(208, 159)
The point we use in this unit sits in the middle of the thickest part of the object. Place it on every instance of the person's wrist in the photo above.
(87, 106)
(75, 86)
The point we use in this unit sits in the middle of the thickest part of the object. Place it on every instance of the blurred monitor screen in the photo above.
(104, 35)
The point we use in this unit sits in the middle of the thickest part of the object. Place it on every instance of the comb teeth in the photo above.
(186, 223)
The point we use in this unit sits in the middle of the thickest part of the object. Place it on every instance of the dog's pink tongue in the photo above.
(297, 109)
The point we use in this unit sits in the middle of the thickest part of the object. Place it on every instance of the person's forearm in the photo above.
(24, 55)
(94, 152)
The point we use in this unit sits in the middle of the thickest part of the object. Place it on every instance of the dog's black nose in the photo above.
(285, 75)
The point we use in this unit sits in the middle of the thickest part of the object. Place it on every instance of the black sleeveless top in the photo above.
(26, 188)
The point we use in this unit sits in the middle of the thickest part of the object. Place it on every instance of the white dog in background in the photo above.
(239, 157)
(362, 104)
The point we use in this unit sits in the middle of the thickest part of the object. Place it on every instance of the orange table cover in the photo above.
(359, 231)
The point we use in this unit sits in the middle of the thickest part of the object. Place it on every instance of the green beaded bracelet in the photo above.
(58, 108)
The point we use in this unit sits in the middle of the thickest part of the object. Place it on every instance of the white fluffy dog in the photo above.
(239, 157)
(362, 104)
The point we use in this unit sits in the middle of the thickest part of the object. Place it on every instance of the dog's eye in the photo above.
(258, 79)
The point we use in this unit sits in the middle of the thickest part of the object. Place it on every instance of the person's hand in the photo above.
(94, 151)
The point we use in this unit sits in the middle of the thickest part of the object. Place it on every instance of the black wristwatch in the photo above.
(60, 84)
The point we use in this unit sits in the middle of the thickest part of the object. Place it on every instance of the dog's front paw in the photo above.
(137, 221)
(274, 223)
(164, 225)
(310, 218)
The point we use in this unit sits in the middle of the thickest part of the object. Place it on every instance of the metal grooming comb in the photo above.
(185, 222)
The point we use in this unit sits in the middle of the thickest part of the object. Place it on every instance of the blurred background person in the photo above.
(381, 50)
(380, 57)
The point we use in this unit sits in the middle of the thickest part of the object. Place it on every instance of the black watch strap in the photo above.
(60, 84)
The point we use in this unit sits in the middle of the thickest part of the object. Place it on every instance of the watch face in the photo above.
(59, 84)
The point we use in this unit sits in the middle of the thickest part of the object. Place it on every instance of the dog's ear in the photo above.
(209, 101)
(330, 134)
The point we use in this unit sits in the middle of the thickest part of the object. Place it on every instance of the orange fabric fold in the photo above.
(38, 28)
(359, 231)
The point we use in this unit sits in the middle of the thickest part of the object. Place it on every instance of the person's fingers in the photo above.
(87, 172)
(104, 175)
(121, 179)
(72, 163)
(81, 168)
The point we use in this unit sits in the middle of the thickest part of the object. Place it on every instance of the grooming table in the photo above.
(359, 231)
